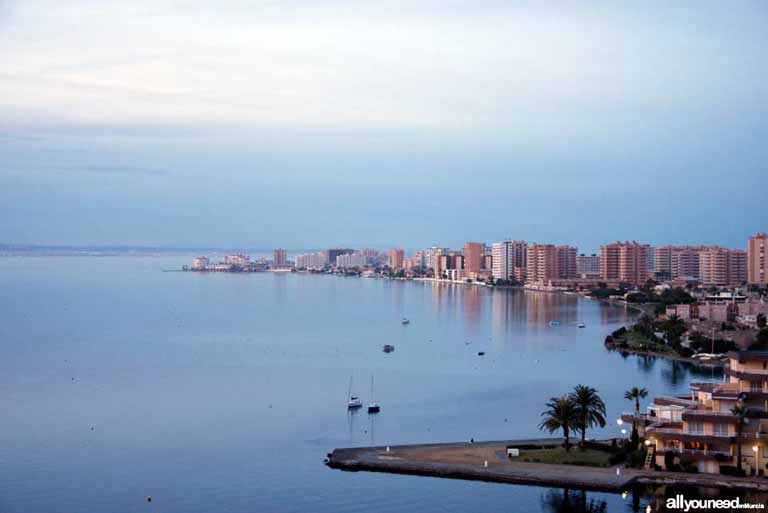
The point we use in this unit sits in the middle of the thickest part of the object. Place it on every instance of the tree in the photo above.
(761, 320)
(740, 412)
(635, 394)
(590, 409)
(560, 414)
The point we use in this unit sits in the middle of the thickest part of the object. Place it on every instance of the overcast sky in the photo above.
(305, 123)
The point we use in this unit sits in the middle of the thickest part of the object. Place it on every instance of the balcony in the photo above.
(701, 452)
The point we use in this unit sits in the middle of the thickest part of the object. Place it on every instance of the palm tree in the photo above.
(560, 414)
(590, 409)
(740, 412)
(635, 394)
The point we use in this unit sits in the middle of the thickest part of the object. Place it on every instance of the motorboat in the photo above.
(554, 323)
(405, 321)
(388, 348)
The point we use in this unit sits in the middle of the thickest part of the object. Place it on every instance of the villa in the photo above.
(701, 431)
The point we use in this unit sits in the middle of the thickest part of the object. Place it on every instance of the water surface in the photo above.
(224, 392)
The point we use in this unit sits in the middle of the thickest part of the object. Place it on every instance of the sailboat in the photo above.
(353, 402)
(373, 406)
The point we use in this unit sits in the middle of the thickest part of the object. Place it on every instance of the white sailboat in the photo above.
(353, 402)
(373, 406)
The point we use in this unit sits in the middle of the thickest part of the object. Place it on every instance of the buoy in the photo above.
(149, 498)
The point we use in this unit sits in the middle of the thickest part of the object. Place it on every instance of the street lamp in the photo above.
(623, 431)
(647, 443)
(755, 448)
(619, 422)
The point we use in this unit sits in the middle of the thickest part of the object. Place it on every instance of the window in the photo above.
(720, 429)
(696, 428)
(755, 386)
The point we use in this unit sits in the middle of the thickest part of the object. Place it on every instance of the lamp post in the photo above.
(756, 450)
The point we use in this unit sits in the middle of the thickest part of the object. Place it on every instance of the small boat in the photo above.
(354, 402)
(405, 321)
(388, 348)
(373, 406)
(581, 325)
(554, 323)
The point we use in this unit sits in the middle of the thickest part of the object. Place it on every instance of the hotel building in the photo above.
(700, 429)
(624, 262)
(757, 264)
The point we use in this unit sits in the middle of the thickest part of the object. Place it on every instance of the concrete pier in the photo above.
(487, 461)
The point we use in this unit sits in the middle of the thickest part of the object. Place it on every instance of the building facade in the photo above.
(473, 257)
(509, 259)
(701, 429)
(588, 266)
(280, 258)
(757, 265)
(722, 267)
(624, 262)
(396, 257)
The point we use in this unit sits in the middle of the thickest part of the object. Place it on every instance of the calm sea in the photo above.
(223, 392)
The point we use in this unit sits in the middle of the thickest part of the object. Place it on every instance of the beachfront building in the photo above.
(624, 262)
(588, 266)
(473, 258)
(701, 430)
(333, 253)
(677, 262)
(722, 267)
(200, 263)
(356, 259)
(238, 260)
(757, 263)
(317, 260)
(509, 259)
(279, 258)
(396, 257)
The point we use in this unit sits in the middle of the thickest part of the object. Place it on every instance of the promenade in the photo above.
(487, 461)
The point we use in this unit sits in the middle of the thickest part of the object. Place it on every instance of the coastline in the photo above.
(487, 461)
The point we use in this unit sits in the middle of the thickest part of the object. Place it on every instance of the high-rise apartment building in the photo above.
(588, 265)
(332, 254)
(280, 258)
(545, 262)
(625, 262)
(677, 262)
(473, 257)
(757, 263)
(508, 259)
(722, 267)
(396, 257)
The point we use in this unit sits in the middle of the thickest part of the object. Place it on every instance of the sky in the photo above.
(311, 123)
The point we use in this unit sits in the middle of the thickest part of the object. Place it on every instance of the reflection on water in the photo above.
(569, 501)
(675, 372)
